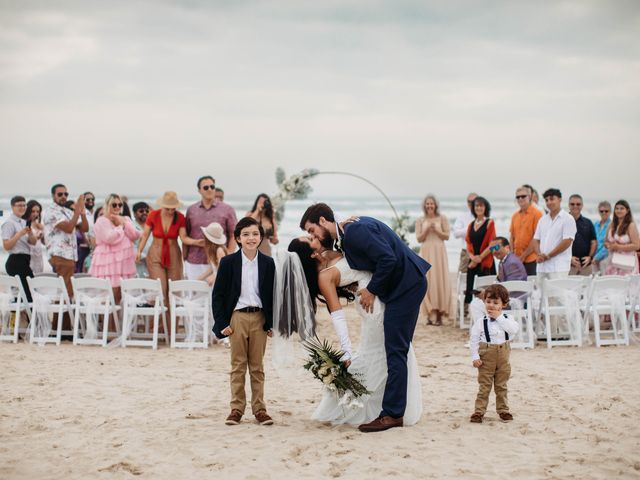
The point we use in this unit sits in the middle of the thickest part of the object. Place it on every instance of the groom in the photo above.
(399, 279)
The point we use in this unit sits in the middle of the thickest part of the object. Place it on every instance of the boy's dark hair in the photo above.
(55, 187)
(206, 177)
(139, 205)
(314, 212)
(503, 241)
(244, 223)
(497, 292)
(17, 199)
(552, 192)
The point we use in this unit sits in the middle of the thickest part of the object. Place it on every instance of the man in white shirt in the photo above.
(460, 231)
(553, 238)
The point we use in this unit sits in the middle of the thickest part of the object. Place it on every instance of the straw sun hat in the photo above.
(169, 200)
(215, 233)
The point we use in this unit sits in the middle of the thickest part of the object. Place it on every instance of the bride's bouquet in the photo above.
(325, 364)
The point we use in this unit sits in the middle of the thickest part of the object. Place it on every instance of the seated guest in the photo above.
(584, 244)
(601, 226)
(17, 239)
(510, 267)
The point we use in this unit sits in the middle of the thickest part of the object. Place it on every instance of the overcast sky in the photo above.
(445, 97)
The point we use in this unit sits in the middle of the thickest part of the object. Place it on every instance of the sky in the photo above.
(417, 96)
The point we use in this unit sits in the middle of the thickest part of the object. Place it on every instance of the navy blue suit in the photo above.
(399, 280)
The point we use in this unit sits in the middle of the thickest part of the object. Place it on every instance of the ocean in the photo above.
(374, 206)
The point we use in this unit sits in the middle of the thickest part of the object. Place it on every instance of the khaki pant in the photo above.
(494, 371)
(64, 268)
(248, 343)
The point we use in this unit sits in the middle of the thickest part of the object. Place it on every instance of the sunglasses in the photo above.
(116, 205)
(575, 204)
(604, 211)
(208, 187)
(142, 210)
(89, 199)
(494, 248)
(62, 194)
(518, 197)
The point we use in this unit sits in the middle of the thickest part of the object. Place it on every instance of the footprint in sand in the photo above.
(124, 466)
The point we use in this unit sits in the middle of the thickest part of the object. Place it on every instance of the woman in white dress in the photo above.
(369, 362)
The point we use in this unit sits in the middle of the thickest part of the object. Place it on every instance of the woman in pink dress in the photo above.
(622, 241)
(114, 257)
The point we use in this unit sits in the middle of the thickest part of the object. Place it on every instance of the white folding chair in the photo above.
(609, 297)
(634, 303)
(461, 286)
(142, 297)
(484, 281)
(190, 302)
(93, 298)
(521, 309)
(13, 301)
(49, 298)
(563, 299)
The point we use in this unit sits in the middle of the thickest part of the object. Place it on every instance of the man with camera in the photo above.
(201, 214)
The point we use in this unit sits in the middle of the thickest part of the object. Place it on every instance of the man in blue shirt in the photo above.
(601, 226)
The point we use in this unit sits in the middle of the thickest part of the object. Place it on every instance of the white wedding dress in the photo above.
(369, 364)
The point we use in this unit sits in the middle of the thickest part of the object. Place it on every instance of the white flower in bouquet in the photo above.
(328, 379)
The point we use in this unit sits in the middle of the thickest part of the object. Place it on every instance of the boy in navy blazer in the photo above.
(243, 311)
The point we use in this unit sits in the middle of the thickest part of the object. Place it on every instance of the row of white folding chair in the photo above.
(93, 297)
(142, 297)
(13, 302)
(190, 302)
(610, 295)
(50, 298)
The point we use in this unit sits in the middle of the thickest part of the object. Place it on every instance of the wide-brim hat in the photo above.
(215, 233)
(169, 200)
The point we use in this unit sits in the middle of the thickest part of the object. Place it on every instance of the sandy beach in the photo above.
(90, 412)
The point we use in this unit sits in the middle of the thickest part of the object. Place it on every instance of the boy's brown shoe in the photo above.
(506, 416)
(476, 418)
(234, 417)
(263, 418)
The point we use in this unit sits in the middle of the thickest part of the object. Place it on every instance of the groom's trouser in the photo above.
(248, 343)
(400, 317)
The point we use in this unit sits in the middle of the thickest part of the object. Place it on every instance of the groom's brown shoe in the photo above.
(380, 424)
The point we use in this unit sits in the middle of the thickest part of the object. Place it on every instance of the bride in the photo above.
(327, 273)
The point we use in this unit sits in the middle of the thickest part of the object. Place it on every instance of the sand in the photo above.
(91, 412)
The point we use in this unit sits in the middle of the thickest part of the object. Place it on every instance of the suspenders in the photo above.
(487, 337)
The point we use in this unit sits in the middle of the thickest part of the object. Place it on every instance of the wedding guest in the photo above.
(140, 214)
(114, 257)
(535, 198)
(164, 259)
(60, 224)
(432, 230)
(32, 217)
(17, 240)
(510, 266)
(490, 352)
(126, 211)
(622, 241)
(480, 233)
(243, 309)
(219, 194)
(601, 226)
(585, 241)
(201, 214)
(523, 225)
(86, 241)
(214, 246)
(553, 238)
(460, 228)
(262, 211)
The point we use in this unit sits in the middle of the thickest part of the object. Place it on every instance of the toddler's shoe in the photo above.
(476, 418)
(506, 416)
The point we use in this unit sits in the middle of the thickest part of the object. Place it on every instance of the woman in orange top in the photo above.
(164, 259)
(479, 235)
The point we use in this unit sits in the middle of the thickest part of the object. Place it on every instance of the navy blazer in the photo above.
(371, 245)
(226, 290)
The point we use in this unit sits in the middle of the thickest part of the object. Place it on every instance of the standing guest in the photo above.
(243, 309)
(164, 259)
(140, 214)
(126, 211)
(219, 194)
(32, 217)
(622, 241)
(214, 246)
(535, 198)
(601, 227)
(585, 241)
(60, 224)
(114, 257)
(553, 238)
(262, 211)
(201, 214)
(510, 267)
(431, 231)
(86, 242)
(460, 229)
(523, 225)
(480, 233)
(17, 239)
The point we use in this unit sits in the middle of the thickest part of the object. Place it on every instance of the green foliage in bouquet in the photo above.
(325, 364)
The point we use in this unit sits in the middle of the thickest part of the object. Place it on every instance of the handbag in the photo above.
(622, 261)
